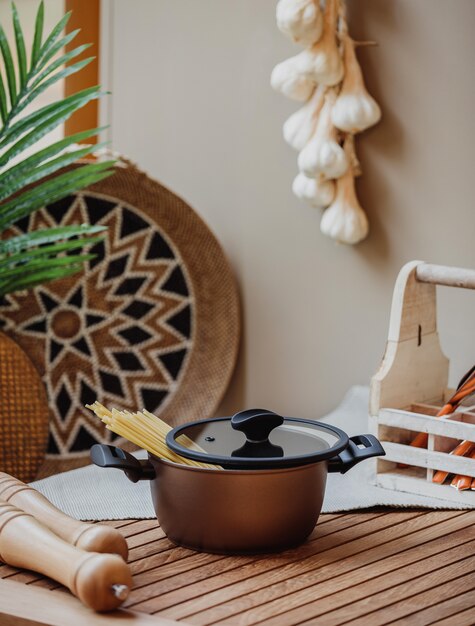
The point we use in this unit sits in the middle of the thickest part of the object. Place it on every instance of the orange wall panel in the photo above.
(86, 16)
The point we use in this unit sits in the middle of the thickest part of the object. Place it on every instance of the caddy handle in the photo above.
(354, 453)
(445, 275)
(116, 458)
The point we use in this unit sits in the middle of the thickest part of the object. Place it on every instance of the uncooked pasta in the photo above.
(147, 431)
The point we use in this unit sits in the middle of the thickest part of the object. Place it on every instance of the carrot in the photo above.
(420, 440)
(462, 483)
(465, 388)
(463, 449)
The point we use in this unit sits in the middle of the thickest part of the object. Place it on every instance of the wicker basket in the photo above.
(153, 320)
(24, 413)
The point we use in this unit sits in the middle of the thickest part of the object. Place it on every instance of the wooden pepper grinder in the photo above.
(100, 581)
(90, 537)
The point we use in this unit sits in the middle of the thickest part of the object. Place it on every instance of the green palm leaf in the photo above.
(45, 236)
(36, 47)
(75, 100)
(33, 179)
(59, 62)
(38, 132)
(53, 165)
(3, 101)
(20, 47)
(35, 265)
(53, 36)
(64, 73)
(46, 252)
(45, 57)
(9, 68)
(37, 278)
(51, 191)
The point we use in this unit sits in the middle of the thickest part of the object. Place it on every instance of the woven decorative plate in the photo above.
(23, 413)
(152, 322)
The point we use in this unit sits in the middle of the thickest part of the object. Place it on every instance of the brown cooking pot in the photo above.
(267, 490)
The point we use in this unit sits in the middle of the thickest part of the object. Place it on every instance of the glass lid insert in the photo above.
(292, 441)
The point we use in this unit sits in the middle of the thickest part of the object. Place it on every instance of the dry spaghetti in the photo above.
(147, 431)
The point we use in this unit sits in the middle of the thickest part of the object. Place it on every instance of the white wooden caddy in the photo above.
(411, 384)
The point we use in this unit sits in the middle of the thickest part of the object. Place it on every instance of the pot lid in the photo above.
(257, 438)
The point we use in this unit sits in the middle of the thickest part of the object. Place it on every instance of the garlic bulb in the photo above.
(301, 125)
(345, 220)
(287, 79)
(300, 20)
(318, 192)
(355, 110)
(322, 62)
(323, 155)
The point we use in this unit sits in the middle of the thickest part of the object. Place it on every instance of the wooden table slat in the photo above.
(177, 567)
(371, 568)
(464, 617)
(138, 527)
(308, 596)
(270, 570)
(201, 559)
(207, 564)
(150, 548)
(139, 535)
(38, 607)
(374, 608)
(147, 536)
(122, 523)
(458, 596)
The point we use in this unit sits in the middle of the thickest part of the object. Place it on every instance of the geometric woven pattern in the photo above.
(152, 321)
(126, 323)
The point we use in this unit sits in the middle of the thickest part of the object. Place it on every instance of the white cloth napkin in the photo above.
(92, 493)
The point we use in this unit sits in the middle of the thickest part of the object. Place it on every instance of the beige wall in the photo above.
(192, 105)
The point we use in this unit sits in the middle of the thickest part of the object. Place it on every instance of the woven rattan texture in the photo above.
(23, 413)
(152, 322)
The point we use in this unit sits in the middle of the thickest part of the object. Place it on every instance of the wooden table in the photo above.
(363, 568)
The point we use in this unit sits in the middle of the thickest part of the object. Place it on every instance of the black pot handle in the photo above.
(110, 456)
(353, 454)
(256, 424)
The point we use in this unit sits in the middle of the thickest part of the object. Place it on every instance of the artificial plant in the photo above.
(33, 179)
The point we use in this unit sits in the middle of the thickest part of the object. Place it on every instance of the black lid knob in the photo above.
(256, 424)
